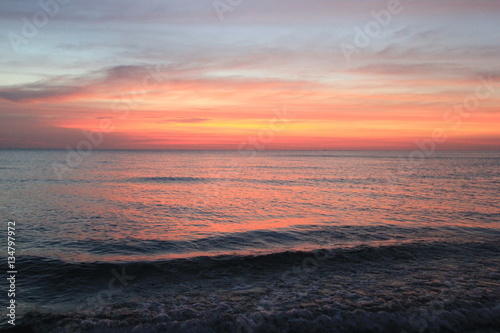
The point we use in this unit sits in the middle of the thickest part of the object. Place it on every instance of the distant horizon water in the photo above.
(262, 150)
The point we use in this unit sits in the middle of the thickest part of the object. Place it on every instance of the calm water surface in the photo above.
(137, 205)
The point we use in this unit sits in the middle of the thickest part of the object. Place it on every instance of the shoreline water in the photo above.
(415, 287)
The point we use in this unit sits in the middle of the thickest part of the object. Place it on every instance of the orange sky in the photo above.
(155, 80)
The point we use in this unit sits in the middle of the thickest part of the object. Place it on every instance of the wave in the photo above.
(57, 271)
(415, 287)
(301, 181)
(170, 179)
(275, 240)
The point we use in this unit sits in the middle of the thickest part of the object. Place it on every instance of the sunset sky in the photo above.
(284, 74)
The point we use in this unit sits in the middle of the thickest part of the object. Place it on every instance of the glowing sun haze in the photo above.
(188, 74)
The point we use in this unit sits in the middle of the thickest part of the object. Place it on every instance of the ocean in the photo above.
(262, 241)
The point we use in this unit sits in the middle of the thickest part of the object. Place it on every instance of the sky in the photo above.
(268, 74)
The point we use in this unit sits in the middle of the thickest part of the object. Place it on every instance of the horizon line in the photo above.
(262, 150)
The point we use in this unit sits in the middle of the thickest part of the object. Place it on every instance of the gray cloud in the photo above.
(37, 92)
